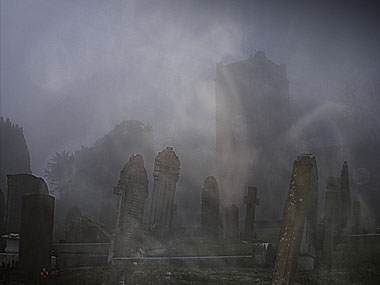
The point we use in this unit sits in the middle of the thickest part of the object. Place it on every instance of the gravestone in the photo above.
(338, 214)
(73, 226)
(295, 212)
(108, 216)
(36, 234)
(2, 212)
(307, 256)
(82, 229)
(263, 254)
(345, 220)
(19, 185)
(251, 201)
(231, 222)
(166, 174)
(132, 190)
(337, 220)
(210, 208)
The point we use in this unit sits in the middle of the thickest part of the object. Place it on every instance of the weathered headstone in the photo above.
(36, 234)
(307, 256)
(166, 174)
(2, 212)
(251, 201)
(82, 229)
(210, 208)
(73, 226)
(293, 223)
(362, 221)
(107, 217)
(231, 222)
(263, 254)
(19, 185)
(345, 221)
(132, 189)
(337, 220)
(330, 221)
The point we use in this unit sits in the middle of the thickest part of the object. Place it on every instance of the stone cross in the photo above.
(251, 201)
(293, 223)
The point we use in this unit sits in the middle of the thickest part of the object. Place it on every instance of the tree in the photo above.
(60, 172)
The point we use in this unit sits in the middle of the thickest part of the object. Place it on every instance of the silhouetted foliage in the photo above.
(88, 175)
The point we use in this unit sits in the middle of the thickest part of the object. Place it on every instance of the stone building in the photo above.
(210, 208)
(252, 119)
(166, 175)
(132, 189)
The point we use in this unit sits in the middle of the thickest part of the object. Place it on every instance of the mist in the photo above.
(72, 71)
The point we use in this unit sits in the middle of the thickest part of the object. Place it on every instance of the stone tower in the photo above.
(166, 174)
(252, 119)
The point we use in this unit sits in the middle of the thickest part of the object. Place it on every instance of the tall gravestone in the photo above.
(73, 226)
(330, 221)
(295, 212)
(309, 236)
(36, 234)
(19, 185)
(345, 221)
(338, 219)
(210, 208)
(132, 190)
(166, 174)
(2, 212)
(251, 201)
(231, 222)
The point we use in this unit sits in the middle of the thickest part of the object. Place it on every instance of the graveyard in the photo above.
(302, 250)
(139, 240)
(140, 145)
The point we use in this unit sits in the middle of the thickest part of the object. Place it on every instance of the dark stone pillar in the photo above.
(36, 233)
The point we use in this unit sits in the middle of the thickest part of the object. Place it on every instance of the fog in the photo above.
(71, 71)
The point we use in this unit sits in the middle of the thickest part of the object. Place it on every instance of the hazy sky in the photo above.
(71, 70)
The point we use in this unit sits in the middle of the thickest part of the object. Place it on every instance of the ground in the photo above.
(109, 275)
